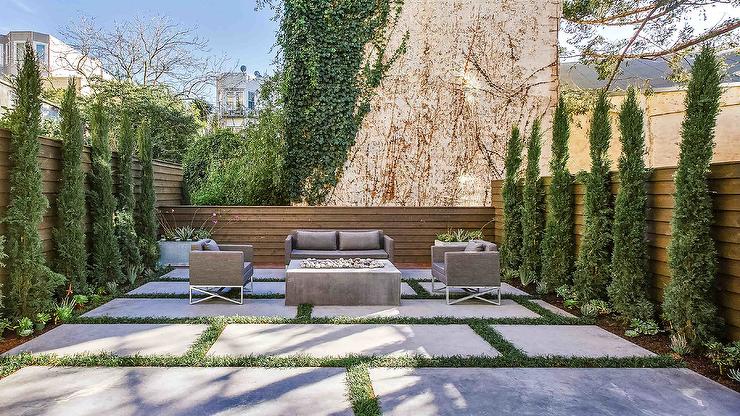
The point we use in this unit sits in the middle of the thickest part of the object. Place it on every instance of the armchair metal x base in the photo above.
(476, 292)
(208, 290)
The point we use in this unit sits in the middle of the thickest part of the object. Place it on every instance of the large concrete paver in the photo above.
(550, 391)
(119, 339)
(320, 340)
(260, 288)
(569, 340)
(124, 391)
(416, 274)
(178, 273)
(179, 308)
(182, 273)
(506, 289)
(553, 309)
(429, 308)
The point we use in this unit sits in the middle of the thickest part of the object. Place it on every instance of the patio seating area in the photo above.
(395, 359)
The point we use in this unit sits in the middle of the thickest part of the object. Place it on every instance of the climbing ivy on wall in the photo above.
(334, 55)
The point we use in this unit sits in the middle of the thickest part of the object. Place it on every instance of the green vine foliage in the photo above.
(32, 283)
(558, 244)
(592, 266)
(628, 291)
(69, 235)
(533, 214)
(511, 249)
(692, 256)
(128, 241)
(105, 258)
(334, 57)
(146, 215)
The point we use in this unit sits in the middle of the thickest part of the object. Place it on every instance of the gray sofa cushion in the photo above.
(210, 245)
(336, 254)
(359, 240)
(475, 246)
(316, 240)
(438, 267)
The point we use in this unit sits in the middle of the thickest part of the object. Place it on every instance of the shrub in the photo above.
(32, 283)
(628, 290)
(592, 266)
(105, 258)
(511, 249)
(128, 241)
(692, 256)
(557, 243)
(146, 215)
(533, 210)
(69, 236)
(642, 327)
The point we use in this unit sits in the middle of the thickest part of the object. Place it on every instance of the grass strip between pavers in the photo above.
(360, 391)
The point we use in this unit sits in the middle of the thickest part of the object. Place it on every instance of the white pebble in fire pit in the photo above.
(341, 264)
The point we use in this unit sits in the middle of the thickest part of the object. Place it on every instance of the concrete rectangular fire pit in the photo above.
(381, 286)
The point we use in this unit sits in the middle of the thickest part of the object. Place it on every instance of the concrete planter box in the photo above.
(175, 253)
(450, 243)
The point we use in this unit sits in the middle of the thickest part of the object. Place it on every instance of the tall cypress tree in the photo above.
(692, 255)
(146, 216)
(557, 243)
(511, 249)
(128, 241)
(69, 236)
(533, 210)
(105, 256)
(32, 283)
(628, 290)
(592, 266)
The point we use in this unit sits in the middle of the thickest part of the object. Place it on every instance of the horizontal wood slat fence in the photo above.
(725, 185)
(413, 229)
(167, 182)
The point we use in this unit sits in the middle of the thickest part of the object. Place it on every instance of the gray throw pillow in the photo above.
(210, 245)
(359, 240)
(475, 246)
(316, 240)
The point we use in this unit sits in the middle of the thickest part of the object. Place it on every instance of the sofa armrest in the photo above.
(288, 248)
(472, 268)
(247, 249)
(390, 247)
(438, 252)
(217, 268)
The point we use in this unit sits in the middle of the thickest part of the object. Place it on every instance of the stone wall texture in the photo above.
(437, 130)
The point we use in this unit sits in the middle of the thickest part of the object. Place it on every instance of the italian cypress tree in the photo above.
(692, 256)
(146, 217)
(557, 243)
(69, 236)
(592, 266)
(32, 283)
(128, 241)
(105, 256)
(628, 291)
(533, 210)
(511, 249)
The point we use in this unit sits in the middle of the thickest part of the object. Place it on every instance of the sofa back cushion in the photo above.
(475, 246)
(315, 240)
(210, 245)
(359, 240)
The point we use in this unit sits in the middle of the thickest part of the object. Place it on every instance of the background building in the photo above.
(236, 97)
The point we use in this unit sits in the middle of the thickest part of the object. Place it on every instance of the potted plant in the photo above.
(176, 240)
(457, 237)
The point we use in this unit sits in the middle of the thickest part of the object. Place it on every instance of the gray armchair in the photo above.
(474, 268)
(214, 267)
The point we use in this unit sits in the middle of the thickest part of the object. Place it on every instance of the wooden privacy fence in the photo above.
(167, 182)
(413, 229)
(725, 185)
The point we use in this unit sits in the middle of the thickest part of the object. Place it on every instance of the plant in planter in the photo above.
(176, 239)
(459, 236)
(24, 327)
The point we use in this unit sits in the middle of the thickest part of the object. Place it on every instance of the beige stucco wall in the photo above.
(439, 122)
(664, 112)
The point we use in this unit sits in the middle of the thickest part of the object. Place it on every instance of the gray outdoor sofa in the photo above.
(334, 244)
(220, 266)
(474, 268)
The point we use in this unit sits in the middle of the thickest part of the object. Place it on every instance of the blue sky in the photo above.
(233, 27)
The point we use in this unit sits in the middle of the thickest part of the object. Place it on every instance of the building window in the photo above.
(250, 100)
(2, 55)
(20, 52)
(40, 49)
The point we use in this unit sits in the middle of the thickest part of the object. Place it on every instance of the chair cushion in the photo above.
(336, 254)
(439, 267)
(248, 270)
(475, 246)
(316, 240)
(210, 245)
(359, 240)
